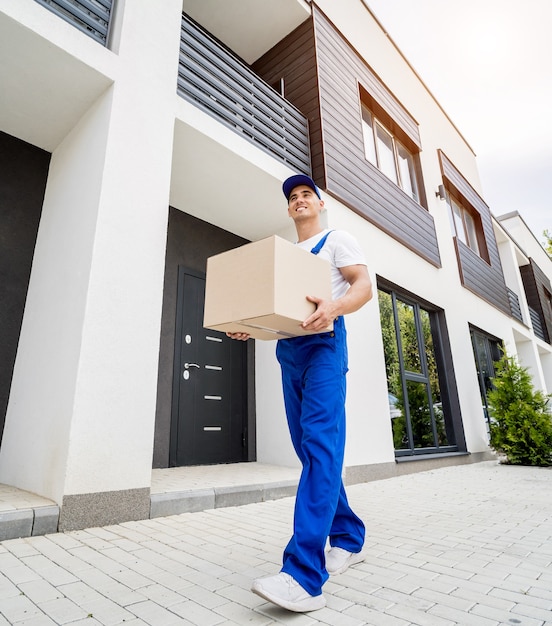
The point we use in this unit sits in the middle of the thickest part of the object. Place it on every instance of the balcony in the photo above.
(248, 27)
(92, 17)
(515, 307)
(536, 322)
(49, 76)
(218, 82)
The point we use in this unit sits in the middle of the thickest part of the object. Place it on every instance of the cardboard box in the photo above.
(261, 288)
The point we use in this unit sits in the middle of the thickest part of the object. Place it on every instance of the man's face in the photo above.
(304, 203)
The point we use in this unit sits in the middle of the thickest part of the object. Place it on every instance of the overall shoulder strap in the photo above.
(321, 243)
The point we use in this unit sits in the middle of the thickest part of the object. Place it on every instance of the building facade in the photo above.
(139, 138)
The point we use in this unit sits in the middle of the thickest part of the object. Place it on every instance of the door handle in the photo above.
(188, 365)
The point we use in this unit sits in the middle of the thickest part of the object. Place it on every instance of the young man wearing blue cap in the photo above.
(314, 368)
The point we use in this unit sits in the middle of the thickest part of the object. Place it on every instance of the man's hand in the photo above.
(326, 312)
(359, 292)
(238, 336)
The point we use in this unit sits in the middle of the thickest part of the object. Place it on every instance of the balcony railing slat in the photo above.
(209, 49)
(83, 9)
(194, 59)
(206, 42)
(536, 322)
(246, 120)
(514, 305)
(238, 78)
(219, 83)
(216, 107)
(92, 18)
(94, 8)
(255, 113)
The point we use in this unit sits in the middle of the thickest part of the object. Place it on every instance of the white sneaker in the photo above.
(283, 590)
(338, 560)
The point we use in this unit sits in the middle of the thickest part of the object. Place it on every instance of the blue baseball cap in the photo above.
(299, 179)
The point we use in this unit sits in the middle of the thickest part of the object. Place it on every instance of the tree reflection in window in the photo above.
(415, 404)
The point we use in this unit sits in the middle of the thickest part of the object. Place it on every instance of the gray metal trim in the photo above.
(514, 304)
(536, 323)
(91, 17)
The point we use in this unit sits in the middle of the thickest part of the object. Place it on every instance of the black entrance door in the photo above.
(209, 407)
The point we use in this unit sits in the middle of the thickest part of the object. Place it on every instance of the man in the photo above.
(313, 379)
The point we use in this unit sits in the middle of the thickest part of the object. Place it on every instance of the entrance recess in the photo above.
(209, 404)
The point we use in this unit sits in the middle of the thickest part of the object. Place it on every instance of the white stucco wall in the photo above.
(85, 379)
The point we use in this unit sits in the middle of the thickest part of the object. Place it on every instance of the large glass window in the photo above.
(384, 150)
(417, 407)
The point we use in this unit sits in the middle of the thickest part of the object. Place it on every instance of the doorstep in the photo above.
(190, 489)
(173, 491)
(25, 514)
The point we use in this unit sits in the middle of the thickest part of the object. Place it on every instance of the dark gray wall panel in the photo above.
(190, 242)
(23, 174)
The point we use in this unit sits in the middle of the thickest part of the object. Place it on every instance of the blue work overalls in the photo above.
(314, 371)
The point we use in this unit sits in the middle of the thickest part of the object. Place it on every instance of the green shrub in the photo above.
(521, 425)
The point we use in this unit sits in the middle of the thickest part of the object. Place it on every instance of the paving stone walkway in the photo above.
(468, 545)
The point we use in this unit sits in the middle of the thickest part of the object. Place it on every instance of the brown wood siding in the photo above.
(322, 75)
(537, 291)
(484, 279)
(294, 60)
(545, 291)
(349, 176)
(346, 69)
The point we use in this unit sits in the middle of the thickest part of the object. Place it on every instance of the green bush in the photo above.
(521, 425)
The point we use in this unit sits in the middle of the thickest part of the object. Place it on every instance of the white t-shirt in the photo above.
(340, 249)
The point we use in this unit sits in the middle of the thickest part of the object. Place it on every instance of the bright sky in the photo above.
(489, 65)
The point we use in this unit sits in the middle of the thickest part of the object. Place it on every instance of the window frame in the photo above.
(472, 234)
(449, 402)
(492, 349)
(371, 124)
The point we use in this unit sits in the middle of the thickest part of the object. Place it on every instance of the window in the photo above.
(486, 350)
(418, 406)
(384, 150)
(466, 226)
